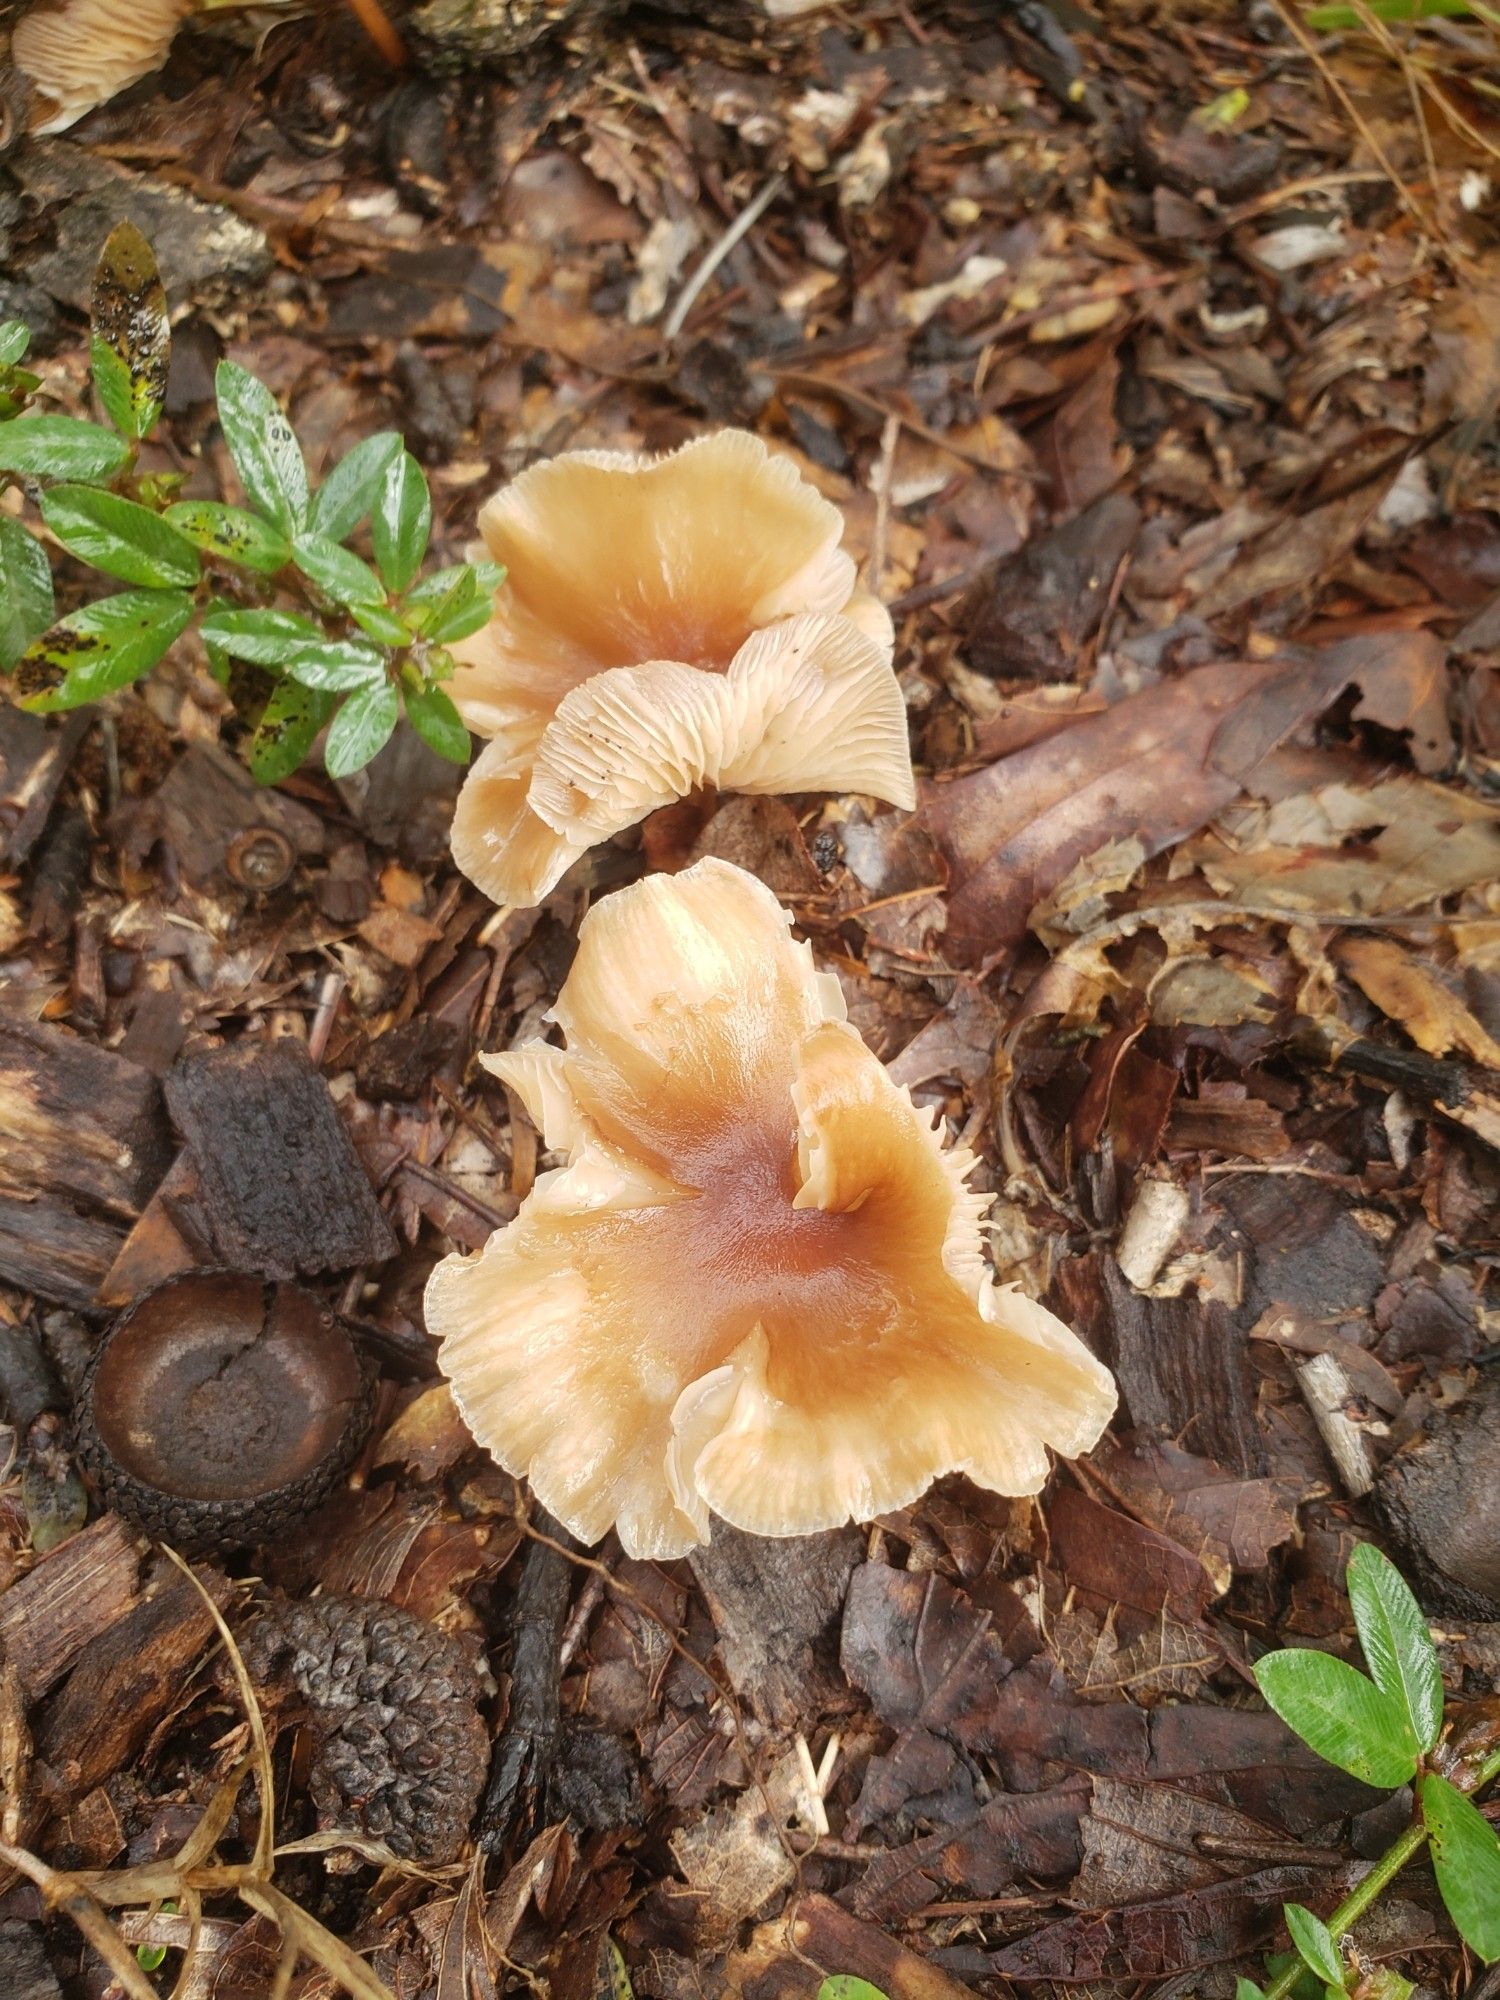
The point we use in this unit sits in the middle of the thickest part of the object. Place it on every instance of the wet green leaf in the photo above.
(263, 446)
(1315, 1945)
(1398, 1647)
(132, 336)
(15, 338)
(231, 534)
(338, 571)
(119, 537)
(352, 488)
(1466, 1860)
(1341, 1714)
(26, 604)
(287, 729)
(432, 714)
(267, 637)
(62, 448)
(361, 728)
(104, 646)
(337, 665)
(381, 623)
(402, 522)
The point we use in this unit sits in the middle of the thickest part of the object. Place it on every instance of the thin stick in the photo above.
(378, 25)
(736, 233)
(875, 563)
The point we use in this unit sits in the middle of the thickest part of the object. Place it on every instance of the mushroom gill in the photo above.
(757, 1287)
(77, 54)
(666, 623)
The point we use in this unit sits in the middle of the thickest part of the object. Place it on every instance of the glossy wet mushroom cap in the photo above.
(220, 1408)
(665, 623)
(758, 1287)
(78, 54)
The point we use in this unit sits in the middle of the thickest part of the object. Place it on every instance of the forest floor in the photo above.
(1154, 360)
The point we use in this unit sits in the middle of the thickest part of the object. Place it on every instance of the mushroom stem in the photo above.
(382, 31)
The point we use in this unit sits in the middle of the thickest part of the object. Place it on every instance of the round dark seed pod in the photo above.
(400, 1751)
(220, 1408)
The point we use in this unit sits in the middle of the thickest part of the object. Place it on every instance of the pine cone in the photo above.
(401, 1750)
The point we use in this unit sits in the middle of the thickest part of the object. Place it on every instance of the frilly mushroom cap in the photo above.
(80, 53)
(666, 623)
(757, 1288)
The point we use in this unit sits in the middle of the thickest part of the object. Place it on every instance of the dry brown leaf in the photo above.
(1409, 992)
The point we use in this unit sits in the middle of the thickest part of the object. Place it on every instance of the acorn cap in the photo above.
(221, 1407)
(78, 54)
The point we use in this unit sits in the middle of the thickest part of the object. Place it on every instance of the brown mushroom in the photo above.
(757, 1288)
(78, 54)
(220, 1408)
(666, 623)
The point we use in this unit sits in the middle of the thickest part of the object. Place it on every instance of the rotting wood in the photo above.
(66, 1603)
(83, 1142)
(34, 760)
(776, 1605)
(280, 1186)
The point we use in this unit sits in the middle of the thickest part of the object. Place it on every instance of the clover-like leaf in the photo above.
(102, 647)
(402, 522)
(844, 1986)
(361, 728)
(1466, 1861)
(1341, 1714)
(232, 534)
(352, 488)
(62, 448)
(263, 446)
(432, 714)
(120, 537)
(1398, 1647)
(132, 336)
(26, 602)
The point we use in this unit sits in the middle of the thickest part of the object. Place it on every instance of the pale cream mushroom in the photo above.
(77, 54)
(665, 623)
(757, 1288)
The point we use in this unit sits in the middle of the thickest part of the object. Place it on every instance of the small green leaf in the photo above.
(1315, 1945)
(1246, 1989)
(353, 486)
(465, 606)
(435, 586)
(844, 1986)
(381, 623)
(26, 603)
(104, 646)
(336, 665)
(119, 537)
(15, 338)
(1399, 1652)
(62, 448)
(1384, 1982)
(338, 571)
(267, 637)
(231, 534)
(1340, 1714)
(263, 446)
(361, 728)
(432, 714)
(132, 336)
(1466, 1860)
(402, 522)
(287, 729)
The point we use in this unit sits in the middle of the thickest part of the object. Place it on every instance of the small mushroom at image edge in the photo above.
(665, 623)
(219, 1409)
(758, 1288)
(77, 54)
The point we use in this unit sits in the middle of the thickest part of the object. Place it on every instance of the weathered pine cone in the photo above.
(401, 1752)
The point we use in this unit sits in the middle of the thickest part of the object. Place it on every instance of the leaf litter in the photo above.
(1171, 442)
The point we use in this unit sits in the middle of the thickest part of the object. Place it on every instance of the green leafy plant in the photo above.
(1385, 1727)
(303, 632)
(844, 1986)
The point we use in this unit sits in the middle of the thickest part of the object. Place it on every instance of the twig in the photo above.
(378, 25)
(736, 233)
(875, 561)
